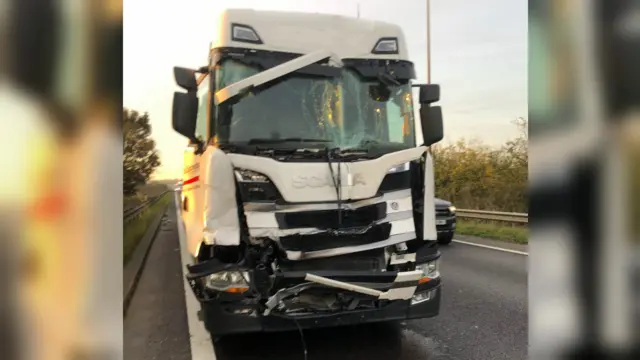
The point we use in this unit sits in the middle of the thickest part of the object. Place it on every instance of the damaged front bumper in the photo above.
(370, 297)
(223, 317)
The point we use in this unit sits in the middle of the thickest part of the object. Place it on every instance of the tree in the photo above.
(518, 147)
(476, 176)
(140, 157)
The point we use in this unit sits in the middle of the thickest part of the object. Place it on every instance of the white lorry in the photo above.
(305, 198)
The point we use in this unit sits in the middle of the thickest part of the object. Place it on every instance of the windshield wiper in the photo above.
(352, 151)
(337, 182)
(285, 140)
(363, 150)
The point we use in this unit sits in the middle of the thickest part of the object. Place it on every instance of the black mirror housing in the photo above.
(432, 126)
(185, 111)
(429, 93)
(185, 78)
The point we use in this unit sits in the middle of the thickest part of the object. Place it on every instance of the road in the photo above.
(483, 316)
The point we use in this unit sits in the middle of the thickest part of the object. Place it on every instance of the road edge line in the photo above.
(200, 344)
(492, 247)
(133, 284)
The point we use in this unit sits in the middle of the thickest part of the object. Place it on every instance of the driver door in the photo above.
(192, 197)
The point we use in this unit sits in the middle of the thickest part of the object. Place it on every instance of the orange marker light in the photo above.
(237, 290)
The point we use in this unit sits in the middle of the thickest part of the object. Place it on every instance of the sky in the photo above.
(478, 56)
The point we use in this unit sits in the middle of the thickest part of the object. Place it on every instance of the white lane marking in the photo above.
(492, 247)
(201, 345)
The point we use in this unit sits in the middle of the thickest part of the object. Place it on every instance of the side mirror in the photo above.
(185, 111)
(431, 121)
(185, 78)
(429, 93)
(197, 145)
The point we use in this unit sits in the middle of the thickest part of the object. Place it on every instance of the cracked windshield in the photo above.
(346, 111)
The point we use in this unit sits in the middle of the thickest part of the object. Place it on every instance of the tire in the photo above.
(445, 239)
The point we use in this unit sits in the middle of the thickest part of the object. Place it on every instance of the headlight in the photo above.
(452, 209)
(430, 270)
(399, 168)
(250, 176)
(229, 281)
(255, 187)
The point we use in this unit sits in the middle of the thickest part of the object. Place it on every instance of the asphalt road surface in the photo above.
(483, 316)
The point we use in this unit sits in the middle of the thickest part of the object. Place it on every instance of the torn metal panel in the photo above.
(404, 293)
(275, 233)
(408, 278)
(262, 77)
(398, 227)
(342, 285)
(397, 259)
(397, 211)
(401, 223)
(429, 209)
(333, 238)
(281, 294)
(221, 223)
(392, 240)
(257, 220)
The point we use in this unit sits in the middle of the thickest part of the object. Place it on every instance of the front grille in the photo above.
(335, 239)
(372, 260)
(328, 219)
(443, 212)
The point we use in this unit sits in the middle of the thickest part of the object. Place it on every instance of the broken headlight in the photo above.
(243, 175)
(255, 187)
(228, 281)
(430, 270)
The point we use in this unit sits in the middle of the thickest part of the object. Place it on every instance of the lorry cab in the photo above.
(305, 195)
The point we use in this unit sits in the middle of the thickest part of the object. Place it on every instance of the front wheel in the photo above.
(445, 239)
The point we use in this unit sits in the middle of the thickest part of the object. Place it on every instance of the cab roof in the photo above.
(303, 33)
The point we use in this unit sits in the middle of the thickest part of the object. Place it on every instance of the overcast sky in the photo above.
(478, 55)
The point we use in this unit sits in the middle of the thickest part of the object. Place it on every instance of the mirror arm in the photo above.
(198, 144)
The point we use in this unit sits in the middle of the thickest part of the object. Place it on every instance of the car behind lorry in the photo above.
(445, 221)
(306, 200)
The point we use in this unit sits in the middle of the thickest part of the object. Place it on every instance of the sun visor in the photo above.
(371, 68)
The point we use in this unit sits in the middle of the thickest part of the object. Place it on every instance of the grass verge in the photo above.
(492, 230)
(137, 228)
